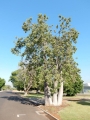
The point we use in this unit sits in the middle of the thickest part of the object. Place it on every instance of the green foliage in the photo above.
(47, 52)
(16, 80)
(7, 87)
(22, 78)
(71, 88)
(2, 83)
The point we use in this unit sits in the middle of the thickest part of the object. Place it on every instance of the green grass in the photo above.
(78, 107)
(76, 110)
(35, 95)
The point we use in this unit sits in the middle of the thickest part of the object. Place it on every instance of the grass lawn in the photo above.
(34, 95)
(78, 109)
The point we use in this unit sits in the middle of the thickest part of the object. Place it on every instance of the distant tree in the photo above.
(2, 83)
(71, 88)
(7, 87)
(16, 81)
(22, 79)
(27, 73)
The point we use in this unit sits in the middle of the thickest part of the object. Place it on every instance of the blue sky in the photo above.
(14, 12)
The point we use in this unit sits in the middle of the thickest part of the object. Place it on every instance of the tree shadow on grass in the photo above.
(26, 101)
(82, 101)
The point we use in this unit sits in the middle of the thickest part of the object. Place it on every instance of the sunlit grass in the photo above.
(34, 95)
(76, 110)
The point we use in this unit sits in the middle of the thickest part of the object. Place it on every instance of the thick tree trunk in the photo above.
(55, 99)
(55, 94)
(25, 93)
(48, 101)
(27, 90)
(48, 98)
(60, 95)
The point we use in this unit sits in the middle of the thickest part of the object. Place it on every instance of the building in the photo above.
(86, 88)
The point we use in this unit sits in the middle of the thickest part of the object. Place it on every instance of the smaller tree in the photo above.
(23, 78)
(73, 83)
(7, 87)
(16, 81)
(2, 83)
(72, 88)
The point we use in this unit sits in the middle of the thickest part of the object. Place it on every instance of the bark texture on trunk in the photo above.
(25, 93)
(48, 101)
(48, 98)
(54, 99)
(55, 94)
(57, 98)
(27, 88)
(60, 95)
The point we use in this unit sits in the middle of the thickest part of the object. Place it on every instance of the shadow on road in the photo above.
(22, 100)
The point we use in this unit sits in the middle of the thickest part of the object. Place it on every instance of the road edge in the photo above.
(48, 113)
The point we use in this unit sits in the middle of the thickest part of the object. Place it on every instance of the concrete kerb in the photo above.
(48, 113)
(43, 110)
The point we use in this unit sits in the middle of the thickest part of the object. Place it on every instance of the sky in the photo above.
(14, 12)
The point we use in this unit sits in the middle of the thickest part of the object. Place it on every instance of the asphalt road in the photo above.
(13, 107)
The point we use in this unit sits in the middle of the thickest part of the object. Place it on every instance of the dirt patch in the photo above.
(54, 110)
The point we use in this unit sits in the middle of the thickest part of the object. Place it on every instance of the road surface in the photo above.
(13, 107)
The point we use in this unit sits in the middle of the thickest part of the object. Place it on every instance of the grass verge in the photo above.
(78, 109)
(34, 95)
(73, 108)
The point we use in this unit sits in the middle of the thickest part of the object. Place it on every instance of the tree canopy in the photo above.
(47, 54)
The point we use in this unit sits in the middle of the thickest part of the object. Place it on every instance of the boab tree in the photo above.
(50, 54)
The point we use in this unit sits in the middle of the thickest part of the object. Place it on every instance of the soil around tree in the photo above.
(54, 110)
